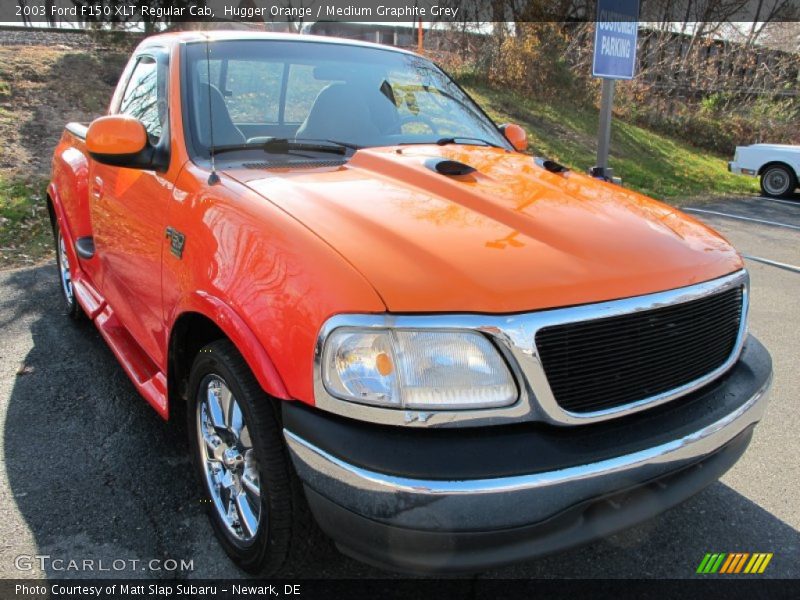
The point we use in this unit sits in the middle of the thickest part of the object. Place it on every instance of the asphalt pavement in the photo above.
(90, 472)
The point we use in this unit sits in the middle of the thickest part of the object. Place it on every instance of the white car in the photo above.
(777, 165)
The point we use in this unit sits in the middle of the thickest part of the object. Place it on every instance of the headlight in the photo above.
(417, 369)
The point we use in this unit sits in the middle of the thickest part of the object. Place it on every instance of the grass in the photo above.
(25, 235)
(648, 162)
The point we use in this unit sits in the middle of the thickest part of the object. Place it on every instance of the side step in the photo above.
(88, 297)
(145, 375)
(84, 247)
(142, 371)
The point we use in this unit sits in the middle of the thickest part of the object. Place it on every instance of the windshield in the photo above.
(264, 89)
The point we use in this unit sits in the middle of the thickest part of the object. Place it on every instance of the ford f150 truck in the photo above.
(385, 321)
(776, 165)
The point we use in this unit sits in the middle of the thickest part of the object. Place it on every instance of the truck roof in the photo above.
(181, 37)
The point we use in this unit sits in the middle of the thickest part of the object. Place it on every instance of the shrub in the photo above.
(716, 124)
(533, 62)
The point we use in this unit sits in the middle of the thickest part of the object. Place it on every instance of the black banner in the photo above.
(82, 12)
(711, 587)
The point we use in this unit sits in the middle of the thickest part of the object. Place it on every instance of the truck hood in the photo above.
(509, 237)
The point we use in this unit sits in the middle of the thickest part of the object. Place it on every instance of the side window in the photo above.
(145, 97)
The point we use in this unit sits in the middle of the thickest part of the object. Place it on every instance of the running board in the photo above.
(149, 381)
(147, 378)
(143, 372)
(87, 296)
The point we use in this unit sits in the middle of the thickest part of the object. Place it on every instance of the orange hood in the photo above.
(509, 237)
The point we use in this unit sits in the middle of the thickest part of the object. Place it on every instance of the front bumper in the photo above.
(455, 500)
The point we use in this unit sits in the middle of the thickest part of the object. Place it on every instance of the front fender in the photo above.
(261, 275)
(235, 329)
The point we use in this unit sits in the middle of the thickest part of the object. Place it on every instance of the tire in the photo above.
(65, 271)
(267, 534)
(778, 181)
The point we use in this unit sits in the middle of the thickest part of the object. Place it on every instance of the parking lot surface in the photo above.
(89, 471)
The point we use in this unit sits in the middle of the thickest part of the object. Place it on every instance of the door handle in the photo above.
(97, 187)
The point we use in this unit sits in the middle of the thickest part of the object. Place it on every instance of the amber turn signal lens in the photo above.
(384, 364)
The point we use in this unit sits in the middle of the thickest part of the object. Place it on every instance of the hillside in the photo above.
(649, 162)
(43, 87)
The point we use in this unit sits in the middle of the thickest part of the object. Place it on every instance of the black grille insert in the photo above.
(605, 363)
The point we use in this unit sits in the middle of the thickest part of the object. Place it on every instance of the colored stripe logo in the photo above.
(734, 562)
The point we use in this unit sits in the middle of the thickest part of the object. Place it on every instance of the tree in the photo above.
(149, 22)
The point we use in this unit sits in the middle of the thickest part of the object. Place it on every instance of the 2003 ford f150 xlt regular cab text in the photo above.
(384, 320)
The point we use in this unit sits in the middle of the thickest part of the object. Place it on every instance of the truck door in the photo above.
(129, 210)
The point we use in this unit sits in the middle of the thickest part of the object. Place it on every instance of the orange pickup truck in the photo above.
(382, 320)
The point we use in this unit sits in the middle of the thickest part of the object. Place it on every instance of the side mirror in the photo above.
(516, 135)
(120, 141)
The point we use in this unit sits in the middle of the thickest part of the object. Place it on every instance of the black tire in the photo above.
(778, 181)
(73, 309)
(282, 544)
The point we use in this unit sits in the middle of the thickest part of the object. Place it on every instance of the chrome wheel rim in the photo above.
(64, 270)
(776, 181)
(228, 460)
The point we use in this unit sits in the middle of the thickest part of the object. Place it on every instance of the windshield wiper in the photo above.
(349, 145)
(461, 139)
(283, 145)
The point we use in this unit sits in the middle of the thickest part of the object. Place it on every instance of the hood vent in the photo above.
(449, 167)
(550, 165)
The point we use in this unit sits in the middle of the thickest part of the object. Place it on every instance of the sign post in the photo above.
(615, 35)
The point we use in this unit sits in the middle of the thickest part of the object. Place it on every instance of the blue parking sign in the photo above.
(616, 30)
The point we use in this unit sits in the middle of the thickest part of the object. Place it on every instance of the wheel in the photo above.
(65, 275)
(778, 181)
(254, 499)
